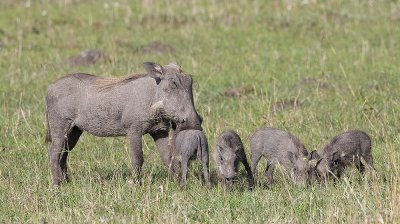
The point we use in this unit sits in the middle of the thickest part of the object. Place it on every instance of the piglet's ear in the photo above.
(154, 70)
(292, 157)
(314, 155)
(318, 163)
(336, 159)
(336, 156)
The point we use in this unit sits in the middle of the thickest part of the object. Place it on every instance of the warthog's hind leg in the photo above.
(63, 138)
(255, 158)
(69, 144)
(269, 170)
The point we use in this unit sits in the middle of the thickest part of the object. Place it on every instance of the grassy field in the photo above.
(316, 68)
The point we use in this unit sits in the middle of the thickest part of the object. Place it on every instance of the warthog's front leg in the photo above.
(164, 145)
(136, 154)
(250, 177)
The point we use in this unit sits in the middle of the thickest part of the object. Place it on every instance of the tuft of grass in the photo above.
(316, 69)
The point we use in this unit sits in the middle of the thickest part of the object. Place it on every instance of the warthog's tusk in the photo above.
(157, 106)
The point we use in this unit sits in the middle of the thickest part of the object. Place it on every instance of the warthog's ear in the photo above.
(187, 79)
(318, 163)
(237, 148)
(173, 65)
(314, 155)
(292, 157)
(336, 156)
(336, 159)
(154, 70)
(219, 148)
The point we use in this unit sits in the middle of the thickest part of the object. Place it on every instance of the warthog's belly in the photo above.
(108, 132)
(101, 124)
(103, 129)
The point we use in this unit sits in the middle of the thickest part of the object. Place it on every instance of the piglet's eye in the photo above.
(220, 158)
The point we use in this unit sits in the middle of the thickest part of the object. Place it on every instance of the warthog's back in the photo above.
(275, 144)
(274, 140)
(353, 142)
(188, 138)
(69, 85)
(98, 108)
(189, 141)
(230, 138)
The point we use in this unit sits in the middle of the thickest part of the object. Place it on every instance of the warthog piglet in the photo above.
(283, 148)
(191, 145)
(228, 154)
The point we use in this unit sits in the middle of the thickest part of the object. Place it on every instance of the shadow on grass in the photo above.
(100, 174)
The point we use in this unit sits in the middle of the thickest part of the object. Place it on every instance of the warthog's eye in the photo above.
(220, 158)
(173, 84)
(335, 163)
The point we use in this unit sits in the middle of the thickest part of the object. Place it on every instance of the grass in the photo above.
(347, 50)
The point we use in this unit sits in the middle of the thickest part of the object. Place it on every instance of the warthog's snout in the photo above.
(229, 182)
(229, 179)
(197, 127)
(193, 122)
(300, 180)
(230, 175)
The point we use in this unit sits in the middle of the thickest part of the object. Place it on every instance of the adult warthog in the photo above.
(133, 106)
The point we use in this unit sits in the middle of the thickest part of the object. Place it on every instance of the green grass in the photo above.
(350, 49)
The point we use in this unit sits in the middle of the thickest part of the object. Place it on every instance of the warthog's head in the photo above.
(226, 157)
(299, 172)
(321, 167)
(174, 97)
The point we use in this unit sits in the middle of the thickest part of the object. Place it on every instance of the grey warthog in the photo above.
(191, 145)
(228, 154)
(283, 148)
(129, 106)
(343, 150)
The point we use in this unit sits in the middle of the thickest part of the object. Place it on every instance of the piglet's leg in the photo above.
(269, 172)
(359, 165)
(370, 162)
(184, 169)
(206, 170)
(250, 177)
(255, 158)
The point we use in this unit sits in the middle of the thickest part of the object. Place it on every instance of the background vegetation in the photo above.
(314, 68)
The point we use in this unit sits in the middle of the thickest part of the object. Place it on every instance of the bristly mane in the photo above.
(107, 82)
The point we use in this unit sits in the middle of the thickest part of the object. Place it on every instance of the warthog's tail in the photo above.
(200, 148)
(48, 134)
